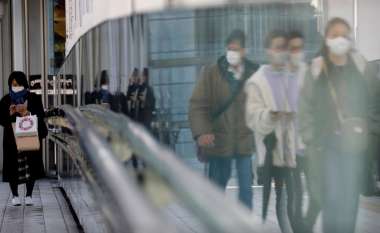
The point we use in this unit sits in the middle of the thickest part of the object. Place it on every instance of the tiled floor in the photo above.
(177, 215)
(50, 212)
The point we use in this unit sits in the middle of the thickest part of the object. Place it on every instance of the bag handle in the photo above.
(333, 94)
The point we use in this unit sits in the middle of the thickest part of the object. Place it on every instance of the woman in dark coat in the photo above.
(34, 169)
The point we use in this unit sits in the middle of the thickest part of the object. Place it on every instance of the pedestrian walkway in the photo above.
(178, 217)
(50, 212)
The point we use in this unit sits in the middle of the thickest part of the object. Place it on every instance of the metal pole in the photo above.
(10, 37)
(42, 40)
(26, 40)
(43, 74)
(3, 53)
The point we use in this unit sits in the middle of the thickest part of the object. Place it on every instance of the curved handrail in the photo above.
(127, 203)
(203, 198)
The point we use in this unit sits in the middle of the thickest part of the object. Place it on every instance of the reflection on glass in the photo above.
(175, 72)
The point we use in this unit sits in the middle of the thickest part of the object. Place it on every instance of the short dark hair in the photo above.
(271, 35)
(236, 34)
(104, 79)
(294, 34)
(136, 70)
(20, 78)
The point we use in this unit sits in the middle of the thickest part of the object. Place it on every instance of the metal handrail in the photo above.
(131, 211)
(203, 199)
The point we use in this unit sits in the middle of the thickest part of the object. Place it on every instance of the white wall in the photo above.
(368, 34)
(343, 9)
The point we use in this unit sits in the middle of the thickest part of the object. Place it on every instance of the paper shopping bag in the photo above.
(26, 126)
(30, 143)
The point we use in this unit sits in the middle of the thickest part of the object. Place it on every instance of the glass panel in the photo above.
(147, 66)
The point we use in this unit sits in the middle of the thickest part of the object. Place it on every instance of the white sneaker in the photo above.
(16, 201)
(28, 201)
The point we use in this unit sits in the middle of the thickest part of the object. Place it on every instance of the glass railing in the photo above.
(115, 196)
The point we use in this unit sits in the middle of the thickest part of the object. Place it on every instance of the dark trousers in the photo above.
(341, 187)
(303, 224)
(29, 188)
(220, 173)
(284, 203)
(298, 188)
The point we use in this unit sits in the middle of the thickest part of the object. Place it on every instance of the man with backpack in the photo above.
(216, 116)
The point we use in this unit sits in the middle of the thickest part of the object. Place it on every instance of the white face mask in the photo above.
(338, 46)
(105, 87)
(279, 58)
(296, 58)
(17, 89)
(233, 58)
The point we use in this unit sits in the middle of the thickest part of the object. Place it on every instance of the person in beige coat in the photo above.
(271, 112)
(219, 130)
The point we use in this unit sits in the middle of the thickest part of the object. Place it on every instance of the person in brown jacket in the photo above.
(216, 116)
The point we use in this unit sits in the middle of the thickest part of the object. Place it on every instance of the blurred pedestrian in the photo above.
(271, 112)
(297, 69)
(103, 96)
(339, 120)
(146, 101)
(216, 116)
(132, 94)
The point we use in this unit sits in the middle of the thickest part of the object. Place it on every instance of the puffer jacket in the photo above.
(212, 90)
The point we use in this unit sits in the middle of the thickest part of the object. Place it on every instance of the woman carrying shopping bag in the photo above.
(24, 167)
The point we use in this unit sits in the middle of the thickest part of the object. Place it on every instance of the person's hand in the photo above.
(134, 99)
(142, 99)
(22, 110)
(291, 116)
(106, 105)
(206, 140)
(276, 117)
(12, 110)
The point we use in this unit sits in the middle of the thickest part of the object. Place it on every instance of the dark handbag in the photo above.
(217, 114)
(354, 131)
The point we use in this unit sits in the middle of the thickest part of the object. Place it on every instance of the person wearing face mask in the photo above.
(271, 113)
(102, 96)
(297, 69)
(216, 116)
(24, 167)
(340, 123)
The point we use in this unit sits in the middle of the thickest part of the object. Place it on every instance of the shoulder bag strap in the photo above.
(222, 109)
(333, 94)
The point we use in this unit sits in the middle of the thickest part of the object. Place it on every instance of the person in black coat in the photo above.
(103, 96)
(145, 105)
(146, 101)
(18, 94)
(132, 94)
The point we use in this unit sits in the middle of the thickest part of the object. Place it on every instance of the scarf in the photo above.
(104, 94)
(17, 98)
